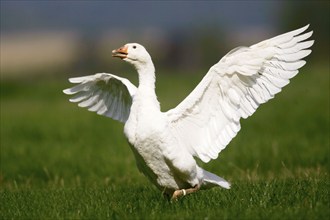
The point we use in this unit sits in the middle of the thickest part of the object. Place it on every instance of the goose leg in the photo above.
(182, 192)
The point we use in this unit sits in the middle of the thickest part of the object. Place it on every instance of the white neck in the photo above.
(147, 79)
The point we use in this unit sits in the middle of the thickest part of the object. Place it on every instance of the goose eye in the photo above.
(134, 47)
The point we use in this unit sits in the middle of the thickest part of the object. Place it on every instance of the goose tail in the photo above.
(211, 180)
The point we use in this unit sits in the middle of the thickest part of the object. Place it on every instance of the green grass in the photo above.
(59, 161)
(289, 199)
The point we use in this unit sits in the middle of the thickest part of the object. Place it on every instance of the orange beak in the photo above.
(120, 52)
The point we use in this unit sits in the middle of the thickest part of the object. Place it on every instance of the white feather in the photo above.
(99, 93)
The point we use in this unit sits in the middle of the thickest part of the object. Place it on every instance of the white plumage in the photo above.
(202, 125)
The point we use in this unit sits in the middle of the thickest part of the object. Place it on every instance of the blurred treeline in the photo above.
(191, 50)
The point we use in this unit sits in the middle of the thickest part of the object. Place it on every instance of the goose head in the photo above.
(133, 53)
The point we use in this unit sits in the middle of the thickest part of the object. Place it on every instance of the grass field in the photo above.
(59, 161)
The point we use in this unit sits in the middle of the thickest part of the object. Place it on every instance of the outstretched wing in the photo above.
(104, 93)
(207, 120)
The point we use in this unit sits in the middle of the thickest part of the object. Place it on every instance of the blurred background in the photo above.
(45, 139)
(78, 36)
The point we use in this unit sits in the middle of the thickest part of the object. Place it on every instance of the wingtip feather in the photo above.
(76, 80)
(67, 91)
(300, 30)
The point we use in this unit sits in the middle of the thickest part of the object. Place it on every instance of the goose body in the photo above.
(165, 143)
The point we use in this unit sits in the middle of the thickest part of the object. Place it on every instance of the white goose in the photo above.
(165, 143)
